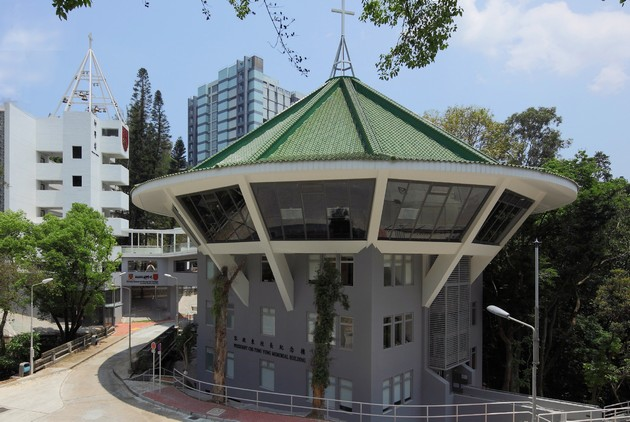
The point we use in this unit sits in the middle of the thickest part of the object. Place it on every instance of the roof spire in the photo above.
(342, 60)
(88, 90)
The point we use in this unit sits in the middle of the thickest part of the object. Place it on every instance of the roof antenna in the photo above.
(342, 60)
(88, 90)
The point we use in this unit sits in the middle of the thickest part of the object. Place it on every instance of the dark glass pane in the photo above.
(316, 210)
(422, 211)
(505, 214)
(221, 215)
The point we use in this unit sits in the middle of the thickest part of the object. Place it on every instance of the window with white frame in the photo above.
(209, 313)
(229, 322)
(267, 374)
(397, 270)
(346, 325)
(311, 320)
(209, 359)
(397, 390)
(330, 393)
(268, 321)
(343, 263)
(397, 330)
(229, 365)
(345, 395)
(387, 394)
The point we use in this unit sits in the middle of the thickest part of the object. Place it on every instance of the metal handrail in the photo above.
(301, 405)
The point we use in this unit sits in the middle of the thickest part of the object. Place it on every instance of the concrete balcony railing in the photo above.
(115, 174)
(48, 172)
(114, 200)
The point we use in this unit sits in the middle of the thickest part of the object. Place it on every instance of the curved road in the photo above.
(85, 391)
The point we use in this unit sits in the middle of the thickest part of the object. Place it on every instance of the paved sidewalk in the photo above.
(165, 396)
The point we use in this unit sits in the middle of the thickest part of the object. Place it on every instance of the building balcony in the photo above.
(48, 171)
(49, 198)
(115, 174)
(120, 226)
(112, 145)
(114, 200)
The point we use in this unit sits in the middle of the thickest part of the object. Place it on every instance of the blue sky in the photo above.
(507, 55)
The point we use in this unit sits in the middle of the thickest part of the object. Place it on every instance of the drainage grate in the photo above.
(216, 411)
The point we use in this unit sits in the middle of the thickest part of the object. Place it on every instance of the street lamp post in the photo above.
(176, 299)
(128, 318)
(504, 314)
(32, 350)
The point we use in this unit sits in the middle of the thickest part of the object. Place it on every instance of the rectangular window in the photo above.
(398, 330)
(186, 266)
(77, 152)
(346, 268)
(77, 181)
(473, 357)
(267, 374)
(387, 332)
(407, 386)
(397, 390)
(209, 313)
(397, 381)
(268, 321)
(347, 333)
(109, 132)
(229, 365)
(265, 270)
(387, 401)
(345, 395)
(473, 313)
(311, 318)
(408, 328)
(397, 270)
(209, 359)
(343, 263)
(229, 323)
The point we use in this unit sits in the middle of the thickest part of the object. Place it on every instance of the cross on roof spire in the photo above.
(342, 60)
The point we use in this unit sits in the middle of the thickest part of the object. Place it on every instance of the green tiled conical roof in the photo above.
(345, 120)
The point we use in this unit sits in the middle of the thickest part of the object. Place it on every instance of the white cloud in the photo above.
(533, 36)
(610, 80)
(24, 56)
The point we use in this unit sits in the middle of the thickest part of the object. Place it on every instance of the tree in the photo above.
(581, 244)
(160, 138)
(476, 126)
(149, 151)
(185, 341)
(76, 251)
(178, 157)
(534, 139)
(221, 291)
(425, 27)
(328, 289)
(17, 255)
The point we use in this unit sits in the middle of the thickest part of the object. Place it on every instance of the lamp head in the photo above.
(46, 280)
(498, 311)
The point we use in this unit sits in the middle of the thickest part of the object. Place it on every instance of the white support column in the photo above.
(283, 277)
(437, 276)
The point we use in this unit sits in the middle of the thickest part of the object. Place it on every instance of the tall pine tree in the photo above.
(149, 146)
(178, 157)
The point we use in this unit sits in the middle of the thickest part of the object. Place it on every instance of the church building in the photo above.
(409, 215)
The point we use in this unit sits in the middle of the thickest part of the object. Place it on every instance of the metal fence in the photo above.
(355, 411)
(51, 356)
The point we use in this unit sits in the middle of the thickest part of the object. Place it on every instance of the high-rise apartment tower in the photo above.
(241, 99)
